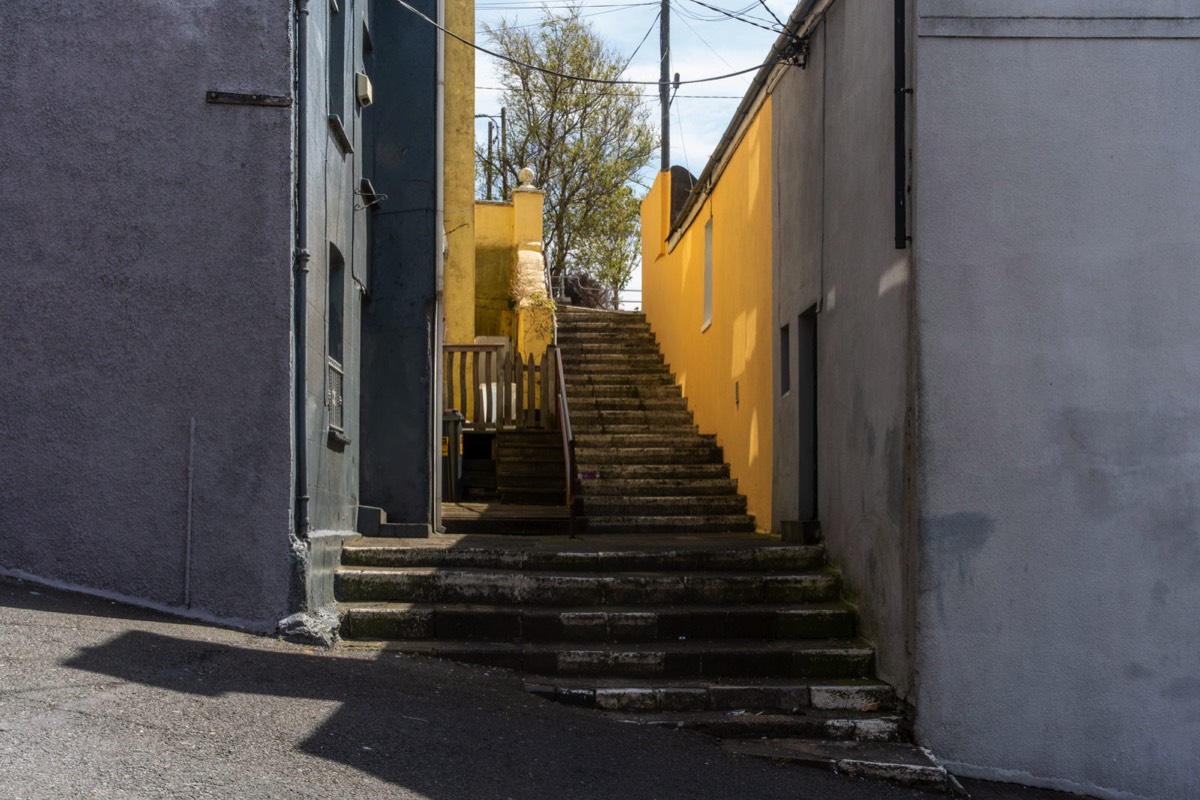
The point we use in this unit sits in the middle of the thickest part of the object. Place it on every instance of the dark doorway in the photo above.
(806, 405)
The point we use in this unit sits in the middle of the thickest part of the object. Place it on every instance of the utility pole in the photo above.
(664, 80)
(487, 165)
(503, 153)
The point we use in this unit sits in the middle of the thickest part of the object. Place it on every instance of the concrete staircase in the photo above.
(740, 636)
(530, 468)
(643, 465)
(667, 609)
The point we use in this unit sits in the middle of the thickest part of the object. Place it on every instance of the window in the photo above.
(336, 69)
(335, 321)
(708, 274)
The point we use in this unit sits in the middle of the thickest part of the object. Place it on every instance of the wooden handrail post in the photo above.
(568, 441)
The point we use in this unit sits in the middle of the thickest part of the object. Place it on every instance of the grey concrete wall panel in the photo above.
(147, 271)
(797, 140)
(1060, 19)
(834, 157)
(398, 322)
(1057, 226)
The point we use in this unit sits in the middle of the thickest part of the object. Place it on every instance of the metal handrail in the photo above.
(568, 439)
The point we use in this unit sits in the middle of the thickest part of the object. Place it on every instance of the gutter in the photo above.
(787, 47)
(300, 275)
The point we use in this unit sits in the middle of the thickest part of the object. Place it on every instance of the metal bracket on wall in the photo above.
(367, 192)
(796, 53)
(247, 99)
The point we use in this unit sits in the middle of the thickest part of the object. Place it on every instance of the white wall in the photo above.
(1057, 231)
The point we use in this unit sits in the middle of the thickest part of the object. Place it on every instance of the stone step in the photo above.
(725, 659)
(610, 368)
(630, 426)
(533, 451)
(645, 439)
(542, 452)
(598, 344)
(579, 343)
(581, 381)
(743, 553)
(899, 763)
(592, 352)
(467, 585)
(581, 404)
(657, 487)
(701, 453)
(588, 418)
(678, 506)
(600, 333)
(616, 372)
(614, 474)
(594, 390)
(519, 526)
(630, 371)
(523, 438)
(548, 470)
(574, 313)
(546, 495)
(487, 518)
(730, 523)
(579, 322)
(585, 359)
(762, 694)
(516, 623)
(813, 724)
(571, 317)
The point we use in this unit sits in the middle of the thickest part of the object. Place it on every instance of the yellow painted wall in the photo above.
(508, 235)
(736, 347)
(494, 259)
(459, 286)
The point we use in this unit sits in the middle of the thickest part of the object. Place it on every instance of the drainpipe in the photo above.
(300, 273)
(435, 400)
(901, 132)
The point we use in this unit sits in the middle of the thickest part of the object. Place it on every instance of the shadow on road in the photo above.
(439, 730)
(449, 732)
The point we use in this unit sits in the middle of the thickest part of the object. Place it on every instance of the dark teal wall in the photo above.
(399, 316)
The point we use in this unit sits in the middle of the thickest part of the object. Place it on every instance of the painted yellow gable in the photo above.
(724, 366)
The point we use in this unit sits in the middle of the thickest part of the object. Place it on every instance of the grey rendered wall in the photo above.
(834, 245)
(1058, 235)
(146, 240)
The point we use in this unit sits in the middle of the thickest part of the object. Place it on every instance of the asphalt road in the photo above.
(98, 700)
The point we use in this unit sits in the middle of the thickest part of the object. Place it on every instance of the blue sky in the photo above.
(703, 43)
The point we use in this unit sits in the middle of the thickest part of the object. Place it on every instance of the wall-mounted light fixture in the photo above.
(363, 90)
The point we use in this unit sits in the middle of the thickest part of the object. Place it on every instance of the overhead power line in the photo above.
(732, 15)
(579, 78)
(612, 10)
(517, 5)
(649, 31)
(644, 94)
(774, 16)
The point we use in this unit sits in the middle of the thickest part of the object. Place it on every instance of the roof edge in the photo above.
(806, 16)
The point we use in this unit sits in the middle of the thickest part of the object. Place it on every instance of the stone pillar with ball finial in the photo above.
(534, 306)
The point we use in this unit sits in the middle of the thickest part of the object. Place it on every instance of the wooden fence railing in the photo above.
(494, 389)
